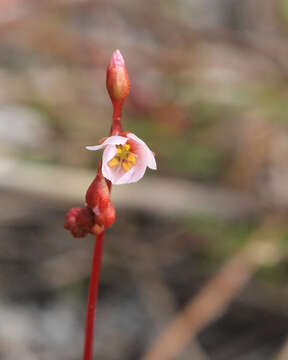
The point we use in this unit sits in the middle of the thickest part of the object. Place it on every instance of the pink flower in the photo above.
(125, 158)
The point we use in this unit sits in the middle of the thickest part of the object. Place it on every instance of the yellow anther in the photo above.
(132, 158)
(126, 165)
(115, 161)
(123, 157)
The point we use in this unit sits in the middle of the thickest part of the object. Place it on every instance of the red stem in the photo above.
(92, 297)
(116, 127)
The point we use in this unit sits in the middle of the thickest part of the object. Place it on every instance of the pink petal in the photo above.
(117, 59)
(108, 153)
(126, 177)
(118, 176)
(108, 171)
(112, 173)
(151, 162)
(138, 173)
(112, 140)
(138, 170)
(134, 137)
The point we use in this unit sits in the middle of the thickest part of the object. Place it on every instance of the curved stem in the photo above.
(92, 297)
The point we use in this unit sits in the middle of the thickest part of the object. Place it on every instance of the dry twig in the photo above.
(283, 354)
(216, 295)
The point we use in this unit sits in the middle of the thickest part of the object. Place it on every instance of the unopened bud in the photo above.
(79, 221)
(85, 218)
(106, 217)
(117, 80)
(98, 195)
(109, 215)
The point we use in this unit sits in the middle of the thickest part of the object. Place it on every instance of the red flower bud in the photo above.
(109, 215)
(79, 221)
(117, 80)
(98, 195)
(106, 217)
(85, 218)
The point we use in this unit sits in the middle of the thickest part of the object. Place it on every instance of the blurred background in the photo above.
(195, 266)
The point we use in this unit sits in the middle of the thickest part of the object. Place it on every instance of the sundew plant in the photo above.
(124, 160)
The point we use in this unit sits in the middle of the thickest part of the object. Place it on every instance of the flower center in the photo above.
(124, 157)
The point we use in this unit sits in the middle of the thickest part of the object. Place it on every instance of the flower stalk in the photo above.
(125, 159)
(116, 127)
(93, 296)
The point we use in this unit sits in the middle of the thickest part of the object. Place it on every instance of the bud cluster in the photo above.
(98, 215)
(79, 221)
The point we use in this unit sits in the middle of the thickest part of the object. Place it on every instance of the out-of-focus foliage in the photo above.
(209, 95)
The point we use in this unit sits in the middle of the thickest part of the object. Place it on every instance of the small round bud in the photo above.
(85, 218)
(79, 221)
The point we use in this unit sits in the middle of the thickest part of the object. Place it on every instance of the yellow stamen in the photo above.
(126, 165)
(124, 157)
(115, 161)
(132, 158)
